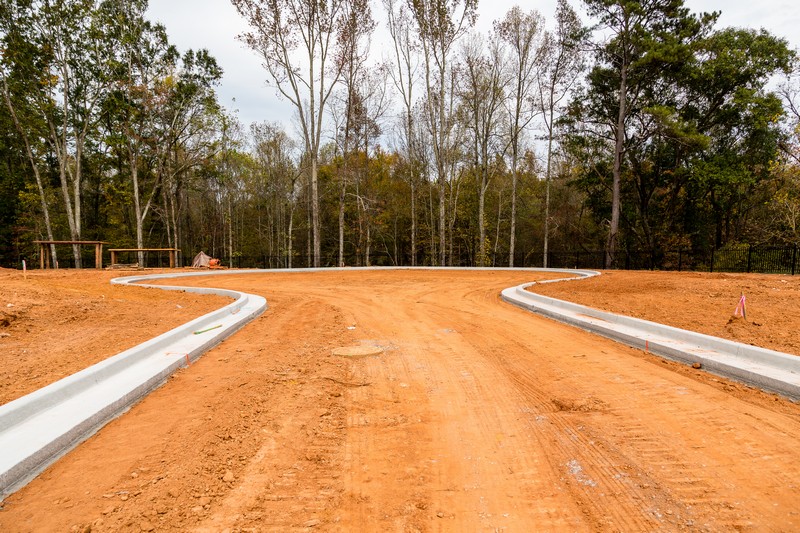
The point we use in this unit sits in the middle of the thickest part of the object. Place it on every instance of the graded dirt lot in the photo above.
(55, 323)
(473, 416)
(698, 301)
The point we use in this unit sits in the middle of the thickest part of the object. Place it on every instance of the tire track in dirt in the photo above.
(472, 435)
(671, 497)
(290, 482)
(595, 471)
(577, 465)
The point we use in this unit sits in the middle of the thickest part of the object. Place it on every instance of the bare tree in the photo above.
(562, 63)
(789, 92)
(405, 75)
(785, 203)
(439, 24)
(522, 33)
(481, 96)
(298, 41)
(17, 63)
(76, 37)
(357, 26)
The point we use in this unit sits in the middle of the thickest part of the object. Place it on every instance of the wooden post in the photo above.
(98, 256)
(42, 259)
(172, 254)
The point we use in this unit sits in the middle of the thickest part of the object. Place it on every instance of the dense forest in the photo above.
(611, 126)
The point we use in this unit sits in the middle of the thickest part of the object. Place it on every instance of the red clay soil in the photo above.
(474, 416)
(55, 323)
(703, 302)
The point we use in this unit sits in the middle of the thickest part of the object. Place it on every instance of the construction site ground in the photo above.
(449, 410)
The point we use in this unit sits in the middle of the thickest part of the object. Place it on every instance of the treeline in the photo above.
(643, 127)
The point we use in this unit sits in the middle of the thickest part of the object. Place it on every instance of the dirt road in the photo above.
(475, 416)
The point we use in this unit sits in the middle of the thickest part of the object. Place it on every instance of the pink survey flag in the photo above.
(741, 308)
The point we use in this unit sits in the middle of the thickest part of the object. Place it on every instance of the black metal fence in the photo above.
(743, 258)
(765, 260)
(304, 261)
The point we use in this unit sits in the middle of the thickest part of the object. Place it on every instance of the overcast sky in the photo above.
(214, 24)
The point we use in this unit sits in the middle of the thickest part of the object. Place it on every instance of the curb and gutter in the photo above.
(39, 428)
(766, 369)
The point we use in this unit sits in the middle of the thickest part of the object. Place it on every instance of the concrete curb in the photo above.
(766, 369)
(39, 428)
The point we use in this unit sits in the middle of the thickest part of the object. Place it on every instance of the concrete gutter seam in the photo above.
(766, 369)
(39, 428)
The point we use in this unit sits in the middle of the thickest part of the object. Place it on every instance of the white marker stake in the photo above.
(24, 270)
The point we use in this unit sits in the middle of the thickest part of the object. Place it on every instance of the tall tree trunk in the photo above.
(315, 226)
(166, 218)
(482, 219)
(432, 222)
(547, 197)
(367, 246)
(289, 238)
(35, 168)
(512, 241)
(413, 223)
(442, 222)
(73, 232)
(76, 194)
(137, 205)
(176, 212)
(173, 221)
(396, 258)
(342, 192)
(453, 215)
(60, 146)
(230, 232)
(497, 228)
(613, 229)
(308, 261)
(441, 164)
